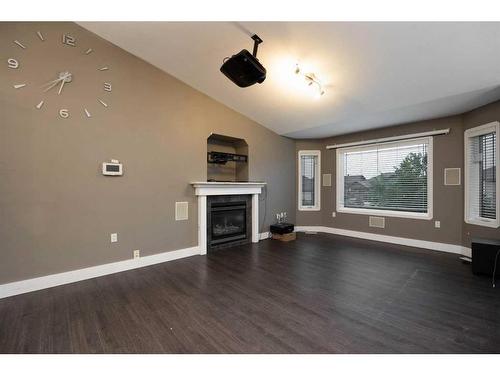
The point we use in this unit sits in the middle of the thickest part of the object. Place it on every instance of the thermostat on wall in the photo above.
(113, 168)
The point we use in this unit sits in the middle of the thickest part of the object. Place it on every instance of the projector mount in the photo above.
(256, 43)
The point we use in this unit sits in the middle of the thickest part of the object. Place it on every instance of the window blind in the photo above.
(308, 168)
(391, 176)
(482, 176)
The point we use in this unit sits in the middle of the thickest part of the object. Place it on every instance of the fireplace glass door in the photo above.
(228, 222)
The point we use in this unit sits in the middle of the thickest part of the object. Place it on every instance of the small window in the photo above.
(481, 170)
(309, 184)
(386, 179)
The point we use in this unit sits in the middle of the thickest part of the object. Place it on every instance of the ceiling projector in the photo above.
(244, 69)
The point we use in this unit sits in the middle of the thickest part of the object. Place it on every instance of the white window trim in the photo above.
(387, 213)
(317, 182)
(474, 132)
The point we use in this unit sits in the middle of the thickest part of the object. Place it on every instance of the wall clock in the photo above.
(55, 83)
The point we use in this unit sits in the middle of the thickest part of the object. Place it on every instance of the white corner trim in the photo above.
(438, 246)
(264, 235)
(43, 282)
(255, 218)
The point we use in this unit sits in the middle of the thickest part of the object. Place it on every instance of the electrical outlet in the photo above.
(137, 254)
(114, 237)
(334, 214)
(437, 224)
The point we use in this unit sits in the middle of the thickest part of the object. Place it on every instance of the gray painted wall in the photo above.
(448, 200)
(56, 209)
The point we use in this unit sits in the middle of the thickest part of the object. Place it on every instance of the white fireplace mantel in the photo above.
(203, 189)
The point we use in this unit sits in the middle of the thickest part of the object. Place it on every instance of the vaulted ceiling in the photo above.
(376, 74)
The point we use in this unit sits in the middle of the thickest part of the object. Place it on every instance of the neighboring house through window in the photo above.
(389, 179)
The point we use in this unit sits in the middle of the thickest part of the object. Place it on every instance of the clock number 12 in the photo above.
(68, 40)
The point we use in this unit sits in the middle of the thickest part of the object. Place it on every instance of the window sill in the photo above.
(483, 223)
(387, 213)
(309, 208)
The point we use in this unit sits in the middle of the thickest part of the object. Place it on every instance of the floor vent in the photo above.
(376, 222)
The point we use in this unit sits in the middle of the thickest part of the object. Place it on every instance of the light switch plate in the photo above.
(437, 224)
(334, 214)
(114, 237)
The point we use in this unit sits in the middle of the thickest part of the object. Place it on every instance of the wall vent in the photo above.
(327, 179)
(452, 176)
(181, 210)
(376, 222)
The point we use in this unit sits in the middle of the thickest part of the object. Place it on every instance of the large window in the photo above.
(309, 184)
(481, 169)
(389, 179)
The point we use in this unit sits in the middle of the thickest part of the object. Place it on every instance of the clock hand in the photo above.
(60, 88)
(54, 82)
(51, 82)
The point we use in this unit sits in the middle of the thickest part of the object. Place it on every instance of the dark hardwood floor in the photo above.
(319, 294)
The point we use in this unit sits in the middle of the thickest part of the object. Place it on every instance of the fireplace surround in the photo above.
(204, 190)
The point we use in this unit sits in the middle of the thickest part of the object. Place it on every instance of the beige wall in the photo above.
(56, 209)
(448, 200)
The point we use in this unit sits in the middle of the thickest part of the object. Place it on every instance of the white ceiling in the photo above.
(377, 74)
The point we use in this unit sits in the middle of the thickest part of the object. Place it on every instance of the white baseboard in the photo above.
(264, 235)
(30, 285)
(439, 246)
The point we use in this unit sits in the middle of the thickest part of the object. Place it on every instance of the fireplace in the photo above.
(217, 192)
(228, 219)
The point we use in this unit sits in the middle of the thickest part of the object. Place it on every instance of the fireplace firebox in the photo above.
(229, 220)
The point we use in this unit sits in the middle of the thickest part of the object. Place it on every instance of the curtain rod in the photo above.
(390, 139)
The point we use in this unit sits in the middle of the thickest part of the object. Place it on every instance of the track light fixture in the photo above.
(310, 79)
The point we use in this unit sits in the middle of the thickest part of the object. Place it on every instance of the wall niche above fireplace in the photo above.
(236, 150)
